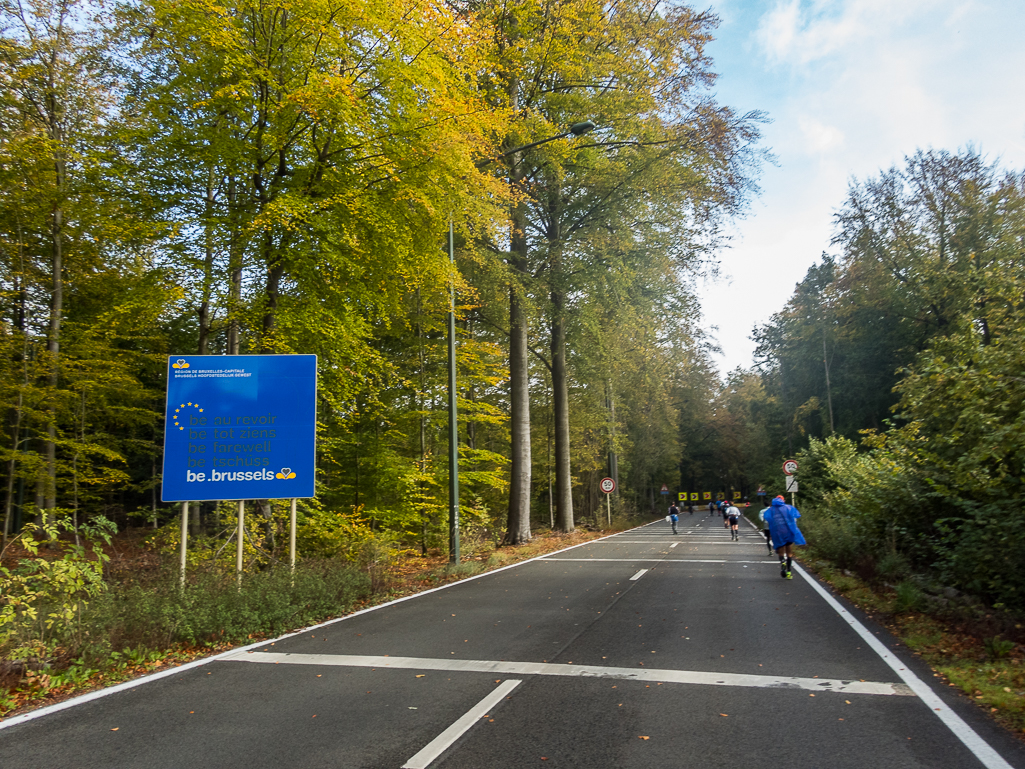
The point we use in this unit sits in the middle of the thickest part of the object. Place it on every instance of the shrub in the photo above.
(212, 607)
(909, 596)
(43, 599)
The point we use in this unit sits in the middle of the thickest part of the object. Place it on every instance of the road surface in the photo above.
(643, 649)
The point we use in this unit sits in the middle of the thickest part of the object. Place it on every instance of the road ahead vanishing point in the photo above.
(642, 649)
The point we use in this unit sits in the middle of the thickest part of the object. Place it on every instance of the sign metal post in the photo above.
(183, 545)
(291, 536)
(239, 536)
(608, 486)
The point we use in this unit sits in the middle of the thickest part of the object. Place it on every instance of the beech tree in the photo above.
(667, 164)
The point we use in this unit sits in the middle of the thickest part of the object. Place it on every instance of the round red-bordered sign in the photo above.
(790, 467)
(607, 485)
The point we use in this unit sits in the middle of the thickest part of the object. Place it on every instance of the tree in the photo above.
(669, 165)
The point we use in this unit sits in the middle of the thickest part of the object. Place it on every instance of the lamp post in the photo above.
(576, 129)
(453, 420)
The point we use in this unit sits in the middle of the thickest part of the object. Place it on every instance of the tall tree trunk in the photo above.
(421, 407)
(560, 392)
(208, 265)
(267, 511)
(518, 528)
(235, 269)
(275, 271)
(17, 411)
(53, 346)
(829, 390)
(613, 457)
(518, 524)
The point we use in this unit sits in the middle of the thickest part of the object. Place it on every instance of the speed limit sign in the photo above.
(790, 467)
(607, 485)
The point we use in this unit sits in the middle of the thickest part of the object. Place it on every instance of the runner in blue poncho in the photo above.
(782, 520)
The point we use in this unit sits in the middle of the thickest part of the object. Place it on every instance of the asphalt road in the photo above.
(642, 650)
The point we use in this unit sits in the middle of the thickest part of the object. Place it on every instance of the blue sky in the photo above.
(851, 87)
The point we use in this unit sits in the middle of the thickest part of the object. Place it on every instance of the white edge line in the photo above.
(656, 560)
(978, 746)
(444, 741)
(638, 575)
(91, 696)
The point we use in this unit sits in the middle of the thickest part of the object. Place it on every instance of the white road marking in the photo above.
(638, 575)
(978, 746)
(656, 560)
(674, 545)
(578, 671)
(443, 741)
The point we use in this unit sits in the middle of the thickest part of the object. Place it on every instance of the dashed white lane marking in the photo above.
(443, 741)
(657, 560)
(638, 575)
(674, 545)
(979, 747)
(577, 671)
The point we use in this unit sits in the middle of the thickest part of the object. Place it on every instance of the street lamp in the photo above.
(576, 129)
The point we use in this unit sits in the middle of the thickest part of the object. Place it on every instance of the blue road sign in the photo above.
(240, 427)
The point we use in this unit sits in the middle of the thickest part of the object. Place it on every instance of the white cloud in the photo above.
(798, 32)
(852, 86)
(818, 136)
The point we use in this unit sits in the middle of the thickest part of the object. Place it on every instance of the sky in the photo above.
(851, 88)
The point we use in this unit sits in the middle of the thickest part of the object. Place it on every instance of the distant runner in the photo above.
(733, 516)
(674, 515)
(768, 535)
(782, 520)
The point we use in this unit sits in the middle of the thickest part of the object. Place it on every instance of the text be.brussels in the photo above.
(250, 475)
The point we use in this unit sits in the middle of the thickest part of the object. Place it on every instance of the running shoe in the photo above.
(789, 575)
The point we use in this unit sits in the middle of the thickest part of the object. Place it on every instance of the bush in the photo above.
(909, 596)
(211, 608)
(834, 538)
(982, 551)
(43, 599)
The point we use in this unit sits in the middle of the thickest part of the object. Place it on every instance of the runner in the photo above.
(723, 507)
(733, 516)
(674, 515)
(765, 531)
(711, 508)
(782, 520)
